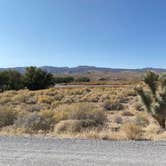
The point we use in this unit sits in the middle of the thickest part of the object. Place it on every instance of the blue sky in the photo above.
(108, 33)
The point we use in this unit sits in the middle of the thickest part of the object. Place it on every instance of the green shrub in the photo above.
(10, 80)
(35, 78)
(83, 79)
(67, 79)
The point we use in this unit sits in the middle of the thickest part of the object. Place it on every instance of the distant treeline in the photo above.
(34, 79)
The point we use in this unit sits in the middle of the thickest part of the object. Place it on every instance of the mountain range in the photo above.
(85, 69)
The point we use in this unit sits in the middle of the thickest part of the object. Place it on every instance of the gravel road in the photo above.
(21, 151)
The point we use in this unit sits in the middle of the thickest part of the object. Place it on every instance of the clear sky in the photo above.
(108, 33)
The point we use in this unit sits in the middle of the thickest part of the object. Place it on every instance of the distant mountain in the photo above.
(85, 69)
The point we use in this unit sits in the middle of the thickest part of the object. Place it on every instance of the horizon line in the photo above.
(120, 68)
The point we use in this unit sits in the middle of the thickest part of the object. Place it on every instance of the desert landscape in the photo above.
(97, 109)
(82, 83)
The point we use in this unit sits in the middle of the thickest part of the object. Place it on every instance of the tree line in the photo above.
(33, 79)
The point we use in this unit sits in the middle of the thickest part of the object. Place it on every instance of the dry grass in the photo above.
(112, 113)
(76, 117)
(142, 119)
(132, 131)
(7, 116)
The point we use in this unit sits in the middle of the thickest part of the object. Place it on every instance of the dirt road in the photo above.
(21, 151)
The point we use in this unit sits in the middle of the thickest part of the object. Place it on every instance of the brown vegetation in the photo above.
(112, 112)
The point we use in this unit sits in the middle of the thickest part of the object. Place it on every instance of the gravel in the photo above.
(33, 151)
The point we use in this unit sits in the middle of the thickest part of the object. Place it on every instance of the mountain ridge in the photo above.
(85, 69)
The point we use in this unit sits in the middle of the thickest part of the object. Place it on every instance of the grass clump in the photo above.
(45, 99)
(34, 122)
(112, 105)
(70, 126)
(80, 111)
(7, 116)
(132, 131)
(77, 117)
(141, 119)
(67, 126)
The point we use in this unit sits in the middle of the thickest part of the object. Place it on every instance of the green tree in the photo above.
(35, 78)
(11, 80)
(154, 98)
(83, 79)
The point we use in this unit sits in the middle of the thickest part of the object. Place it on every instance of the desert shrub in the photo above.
(29, 121)
(9, 93)
(31, 100)
(112, 105)
(132, 131)
(127, 113)
(7, 116)
(67, 79)
(33, 108)
(59, 97)
(55, 104)
(74, 125)
(102, 79)
(77, 92)
(118, 120)
(130, 92)
(5, 100)
(35, 78)
(92, 98)
(47, 117)
(62, 113)
(36, 121)
(19, 98)
(80, 111)
(67, 100)
(45, 99)
(83, 79)
(138, 106)
(68, 126)
(89, 112)
(141, 119)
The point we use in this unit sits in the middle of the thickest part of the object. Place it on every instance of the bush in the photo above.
(36, 121)
(63, 79)
(83, 79)
(132, 131)
(10, 80)
(7, 116)
(142, 119)
(80, 111)
(118, 120)
(68, 126)
(35, 78)
(73, 125)
(45, 99)
(112, 105)
(127, 113)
